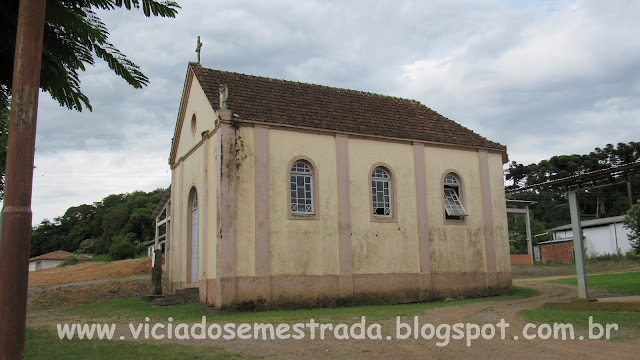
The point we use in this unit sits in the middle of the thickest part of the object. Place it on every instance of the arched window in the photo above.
(381, 193)
(301, 179)
(452, 204)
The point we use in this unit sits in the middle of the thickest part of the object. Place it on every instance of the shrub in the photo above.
(632, 222)
(70, 260)
(122, 250)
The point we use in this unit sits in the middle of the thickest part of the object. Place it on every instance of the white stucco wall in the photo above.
(43, 264)
(600, 240)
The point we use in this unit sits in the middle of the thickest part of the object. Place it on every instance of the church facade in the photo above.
(293, 194)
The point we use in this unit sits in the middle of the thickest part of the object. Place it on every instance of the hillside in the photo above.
(90, 271)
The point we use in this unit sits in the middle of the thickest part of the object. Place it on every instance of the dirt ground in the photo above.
(528, 271)
(48, 297)
(480, 313)
(90, 271)
(330, 348)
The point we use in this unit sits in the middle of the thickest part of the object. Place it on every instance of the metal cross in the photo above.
(198, 47)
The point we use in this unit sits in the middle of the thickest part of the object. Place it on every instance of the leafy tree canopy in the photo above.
(117, 218)
(632, 222)
(73, 35)
(552, 208)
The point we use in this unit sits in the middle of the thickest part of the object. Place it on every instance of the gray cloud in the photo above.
(542, 77)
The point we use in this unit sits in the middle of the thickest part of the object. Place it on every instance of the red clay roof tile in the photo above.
(327, 108)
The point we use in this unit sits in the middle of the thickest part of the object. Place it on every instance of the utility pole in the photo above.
(15, 232)
(578, 245)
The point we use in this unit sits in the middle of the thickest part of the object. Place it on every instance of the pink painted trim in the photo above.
(193, 191)
(316, 190)
(394, 196)
(374, 137)
(421, 209)
(262, 226)
(203, 229)
(226, 242)
(344, 205)
(487, 211)
(463, 198)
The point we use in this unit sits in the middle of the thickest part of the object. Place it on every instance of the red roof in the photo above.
(59, 255)
(292, 103)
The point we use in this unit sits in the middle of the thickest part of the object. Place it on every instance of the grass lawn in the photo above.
(42, 344)
(628, 322)
(135, 309)
(623, 284)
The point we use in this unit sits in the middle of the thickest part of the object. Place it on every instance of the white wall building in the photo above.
(53, 259)
(602, 236)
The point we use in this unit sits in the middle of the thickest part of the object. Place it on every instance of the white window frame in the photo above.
(453, 206)
(381, 176)
(304, 172)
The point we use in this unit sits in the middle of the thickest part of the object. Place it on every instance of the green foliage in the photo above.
(552, 209)
(518, 233)
(123, 247)
(632, 222)
(101, 258)
(73, 35)
(116, 217)
(70, 260)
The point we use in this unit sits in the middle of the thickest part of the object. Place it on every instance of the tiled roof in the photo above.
(59, 255)
(327, 108)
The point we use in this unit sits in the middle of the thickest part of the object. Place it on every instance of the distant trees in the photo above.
(632, 222)
(122, 219)
(551, 208)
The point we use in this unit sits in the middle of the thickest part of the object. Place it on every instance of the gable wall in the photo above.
(199, 105)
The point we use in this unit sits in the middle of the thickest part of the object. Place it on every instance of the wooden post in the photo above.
(156, 274)
(578, 245)
(15, 231)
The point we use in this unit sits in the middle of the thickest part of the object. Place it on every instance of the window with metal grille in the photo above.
(301, 188)
(452, 203)
(381, 192)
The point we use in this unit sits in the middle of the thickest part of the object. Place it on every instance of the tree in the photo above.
(73, 35)
(4, 133)
(632, 222)
(552, 208)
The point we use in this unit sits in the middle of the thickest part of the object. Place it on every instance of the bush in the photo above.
(632, 222)
(122, 250)
(70, 260)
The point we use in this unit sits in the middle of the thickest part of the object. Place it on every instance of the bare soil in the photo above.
(330, 348)
(90, 271)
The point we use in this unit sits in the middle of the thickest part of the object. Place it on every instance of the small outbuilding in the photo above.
(53, 259)
(601, 237)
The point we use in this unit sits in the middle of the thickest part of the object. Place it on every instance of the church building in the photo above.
(292, 194)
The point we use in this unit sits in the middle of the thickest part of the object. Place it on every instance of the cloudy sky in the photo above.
(542, 77)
